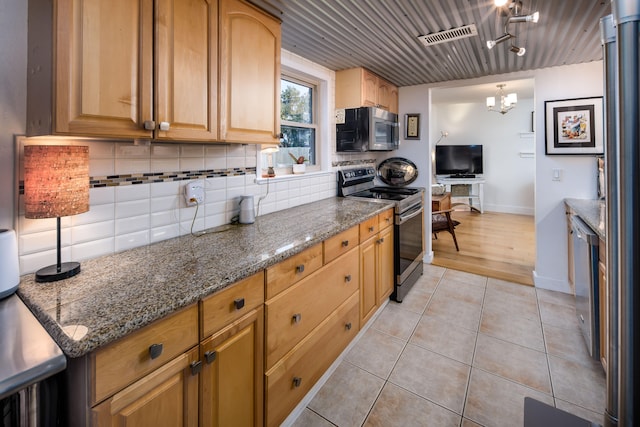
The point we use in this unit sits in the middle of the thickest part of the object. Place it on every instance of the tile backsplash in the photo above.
(136, 198)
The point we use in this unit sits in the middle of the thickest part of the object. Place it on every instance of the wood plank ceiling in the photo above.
(382, 35)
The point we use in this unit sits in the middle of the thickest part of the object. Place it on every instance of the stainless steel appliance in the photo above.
(408, 217)
(366, 129)
(585, 277)
(29, 387)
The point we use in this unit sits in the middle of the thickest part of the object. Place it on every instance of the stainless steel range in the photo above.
(408, 218)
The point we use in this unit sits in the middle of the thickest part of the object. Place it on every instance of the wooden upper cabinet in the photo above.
(186, 69)
(249, 74)
(95, 77)
(359, 87)
(149, 69)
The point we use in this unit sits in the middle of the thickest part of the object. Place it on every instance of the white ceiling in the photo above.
(382, 35)
(478, 93)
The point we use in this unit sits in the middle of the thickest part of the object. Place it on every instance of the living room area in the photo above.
(493, 208)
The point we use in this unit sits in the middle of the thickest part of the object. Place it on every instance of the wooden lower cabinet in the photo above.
(294, 375)
(166, 397)
(231, 382)
(603, 309)
(376, 268)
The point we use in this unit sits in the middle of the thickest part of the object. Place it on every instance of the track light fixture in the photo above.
(520, 51)
(515, 17)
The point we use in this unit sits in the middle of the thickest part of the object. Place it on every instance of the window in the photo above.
(298, 122)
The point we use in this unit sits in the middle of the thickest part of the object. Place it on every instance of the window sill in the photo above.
(292, 177)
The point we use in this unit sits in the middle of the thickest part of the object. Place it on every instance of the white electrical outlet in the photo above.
(194, 193)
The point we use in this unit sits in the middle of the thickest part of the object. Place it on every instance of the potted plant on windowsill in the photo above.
(300, 164)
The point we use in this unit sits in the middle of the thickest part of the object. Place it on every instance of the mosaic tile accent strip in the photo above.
(152, 177)
(353, 162)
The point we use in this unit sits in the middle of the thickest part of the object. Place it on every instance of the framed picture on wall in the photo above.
(412, 126)
(574, 126)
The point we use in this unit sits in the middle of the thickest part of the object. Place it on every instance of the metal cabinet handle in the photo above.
(149, 125)
(210, 356)
(155, 350)
(371, 229)
(345, 243)
(381, 240)
(388, 219)
(297, 381)
(300, 268)
(347, 278)
(196, 367)
(238, 303)
(296, 318)
(348, 326)
(165, 126)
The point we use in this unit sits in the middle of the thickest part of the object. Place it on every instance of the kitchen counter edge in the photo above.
(117, 294)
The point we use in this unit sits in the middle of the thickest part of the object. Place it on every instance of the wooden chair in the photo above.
(441, 221)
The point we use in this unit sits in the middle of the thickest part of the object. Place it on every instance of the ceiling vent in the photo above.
(449, 35)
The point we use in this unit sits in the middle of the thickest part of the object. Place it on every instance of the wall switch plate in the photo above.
(194, 193)
(557, 175)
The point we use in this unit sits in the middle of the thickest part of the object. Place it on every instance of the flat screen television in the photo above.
(459, 160)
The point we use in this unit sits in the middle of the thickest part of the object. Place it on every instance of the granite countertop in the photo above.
(117, 294)
(592, 212)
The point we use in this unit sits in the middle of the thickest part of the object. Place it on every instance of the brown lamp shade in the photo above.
(56, 180)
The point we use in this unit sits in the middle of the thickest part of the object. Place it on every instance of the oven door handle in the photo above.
(413, 212)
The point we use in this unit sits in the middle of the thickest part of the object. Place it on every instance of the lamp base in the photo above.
(51, 273)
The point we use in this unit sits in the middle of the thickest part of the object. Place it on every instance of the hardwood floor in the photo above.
(491, 244)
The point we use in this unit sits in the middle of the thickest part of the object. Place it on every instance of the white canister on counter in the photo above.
(9, 267)
(247, 210)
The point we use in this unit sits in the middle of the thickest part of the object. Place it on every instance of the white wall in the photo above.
(578, 172)
(579, 178)
(509, 174)
(13, 81)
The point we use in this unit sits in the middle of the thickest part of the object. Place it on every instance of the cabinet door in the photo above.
(186, 69)
(166, 397)
(393, 101)
(369, 89)
(232, 376)
(249, 74)
(103, 68)
(384, 94)
(368, 300)
(384, 258)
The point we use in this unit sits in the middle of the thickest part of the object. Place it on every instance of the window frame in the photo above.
(313, 84)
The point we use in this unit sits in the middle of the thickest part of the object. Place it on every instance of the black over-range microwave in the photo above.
(366, 129)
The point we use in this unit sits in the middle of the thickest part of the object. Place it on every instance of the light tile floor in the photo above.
(462, 350)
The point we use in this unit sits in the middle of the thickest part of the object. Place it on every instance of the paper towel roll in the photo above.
(9, 267)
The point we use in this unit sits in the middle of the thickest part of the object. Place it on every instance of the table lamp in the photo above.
(56, 184)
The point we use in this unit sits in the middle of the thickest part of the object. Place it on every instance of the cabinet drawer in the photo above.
(128, 359)
(295, 312)
(291, 379)
(222, 308)
(292, 269)
(340, 244)
(385, 219)
(369, 228)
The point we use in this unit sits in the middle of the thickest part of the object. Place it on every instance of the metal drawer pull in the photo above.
(347, 278)
(388, 219)
(149, 125)
(381, 240)
(345, 243)
(297, 381)
(371, 229)
(165, 126)
(196, 367)
(348, 326)
(238, 303)
(296, 318)
(155, 350)
(300, 268)
(210, 356)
